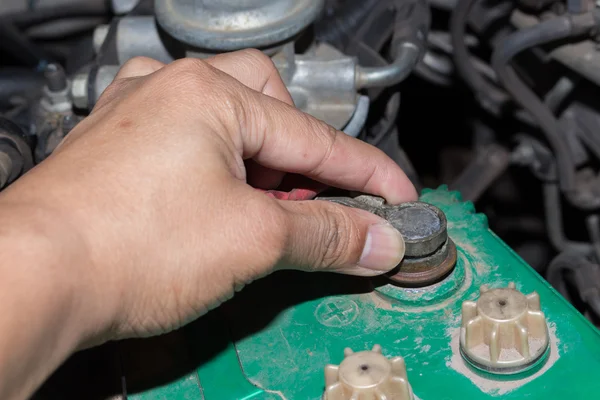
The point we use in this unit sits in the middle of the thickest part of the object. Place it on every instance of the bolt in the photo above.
(56, 80)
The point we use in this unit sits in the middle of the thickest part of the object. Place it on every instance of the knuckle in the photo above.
(189, 74)
(259, 57)
(275, 230)
(258, 63)
(271, 231)
(336, 229)
(137, 62)
(325, 133)
(111, 92)
(202, 85)
(327, 139)
(190, 64)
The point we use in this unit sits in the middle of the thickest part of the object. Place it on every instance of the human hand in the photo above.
(157, 189)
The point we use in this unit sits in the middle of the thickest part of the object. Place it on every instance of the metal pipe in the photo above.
(406, 60)
(409, 43)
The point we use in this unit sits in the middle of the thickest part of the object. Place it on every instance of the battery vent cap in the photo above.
(367, 375)
(504, 331)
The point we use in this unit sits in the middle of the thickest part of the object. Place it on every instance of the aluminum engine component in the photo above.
(223, 25)
(120, 7)
(136, 36)
(504, 331)
(88, 86)
(321, 81)
(430, 254)
(367, 375)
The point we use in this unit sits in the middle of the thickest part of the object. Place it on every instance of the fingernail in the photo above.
(384, 248)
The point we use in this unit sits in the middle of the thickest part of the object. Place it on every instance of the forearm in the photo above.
(42, 313)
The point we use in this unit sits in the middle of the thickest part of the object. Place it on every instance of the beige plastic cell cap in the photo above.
(367, 375)
(504, 330)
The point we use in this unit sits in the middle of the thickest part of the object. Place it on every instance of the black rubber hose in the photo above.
(19, 81)
(13, 42)
(593, 226)
(594, 304)
(584, 273)
(465, 69)
(64, 28)
(24, 20)
(336, 29)
(489, 164)
(545, 32)
(388, 121)
(554, 225)
(412, 24)
(568, 261)
(587, 134)
(577, 6)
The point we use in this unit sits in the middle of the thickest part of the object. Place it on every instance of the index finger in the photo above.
(282, 137)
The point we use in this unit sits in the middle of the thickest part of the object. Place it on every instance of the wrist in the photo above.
(45, 294)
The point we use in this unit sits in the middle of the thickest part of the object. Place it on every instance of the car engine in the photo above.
(492, 99)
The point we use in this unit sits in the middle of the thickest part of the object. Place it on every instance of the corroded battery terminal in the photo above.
(430, 254)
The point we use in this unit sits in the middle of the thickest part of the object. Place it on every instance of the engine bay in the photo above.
(496, 100)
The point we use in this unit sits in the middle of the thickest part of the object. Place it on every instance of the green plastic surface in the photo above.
(273, 340)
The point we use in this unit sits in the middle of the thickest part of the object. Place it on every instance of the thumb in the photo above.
(325, 236)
